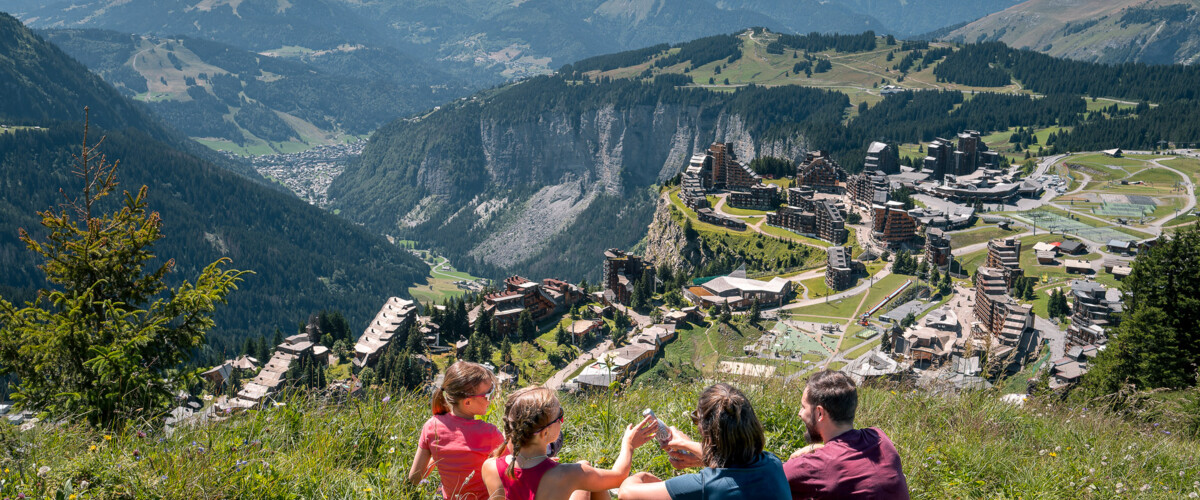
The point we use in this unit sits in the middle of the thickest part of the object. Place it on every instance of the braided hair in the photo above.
(525, 413)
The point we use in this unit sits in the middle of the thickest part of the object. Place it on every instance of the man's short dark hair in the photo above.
(834, 391)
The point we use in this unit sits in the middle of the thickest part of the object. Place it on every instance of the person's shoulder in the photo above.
(875, 434)
(685, 486)
(768, 459)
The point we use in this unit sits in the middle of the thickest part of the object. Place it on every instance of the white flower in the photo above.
(1193, 495)
(1144, 487)
(1058, 448)
(43, 470)
(27, 426)
(391, 450)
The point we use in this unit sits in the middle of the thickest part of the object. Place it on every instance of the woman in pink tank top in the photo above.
(533, 419)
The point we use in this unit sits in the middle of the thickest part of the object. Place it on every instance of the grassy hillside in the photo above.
(1154, 31)
(969, 446)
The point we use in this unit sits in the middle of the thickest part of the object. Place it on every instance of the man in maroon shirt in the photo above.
(841, 462)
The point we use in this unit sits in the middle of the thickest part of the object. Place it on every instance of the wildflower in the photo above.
(92, 448)
(43, 470)
(367, 490)
(391, 450)
(83, 484)
(1041, 452)
(1193, 495)
(1053, 454)
(1058, 448)
(393, 438)
(71, 497)
(107, 437)
(1144, 487)
(387, 398)
(141, 434)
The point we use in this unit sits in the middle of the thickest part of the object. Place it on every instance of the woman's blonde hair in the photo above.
(459, 382)
(526, 412)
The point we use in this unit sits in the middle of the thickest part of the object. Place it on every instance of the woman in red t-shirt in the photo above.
(533, 419)
(453, 440)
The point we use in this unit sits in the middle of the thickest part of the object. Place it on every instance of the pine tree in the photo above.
(483, 348)
(526, 329)
(107, 340)
(755, 312)
(561, 336)
(506, 356)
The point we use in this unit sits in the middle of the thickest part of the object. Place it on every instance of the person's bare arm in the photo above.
(683, 452)
(644, 486)
(585, 477)
(420, 466)
(491, 478)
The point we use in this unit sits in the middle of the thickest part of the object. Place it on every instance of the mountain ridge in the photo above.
(305, 259)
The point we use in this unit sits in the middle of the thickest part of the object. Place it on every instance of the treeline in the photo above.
(1145, 14)
(817, 42)
(1174, 122)
(704, 50)
(772, 166)
(959, 67)
(1050, 75)
(613, 61)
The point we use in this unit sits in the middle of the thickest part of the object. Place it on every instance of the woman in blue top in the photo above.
(730, 450)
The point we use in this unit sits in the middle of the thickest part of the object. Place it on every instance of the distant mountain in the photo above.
(902, 18)
(486, 40)
(1109, 31)
(305, 259)
(220, 92)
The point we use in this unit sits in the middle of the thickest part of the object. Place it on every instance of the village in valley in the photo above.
(964, 269)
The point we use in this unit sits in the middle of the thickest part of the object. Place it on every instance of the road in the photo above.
(558, 379)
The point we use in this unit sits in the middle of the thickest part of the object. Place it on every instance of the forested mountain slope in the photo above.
(303, 258)
(220, 92)
(1114, 31)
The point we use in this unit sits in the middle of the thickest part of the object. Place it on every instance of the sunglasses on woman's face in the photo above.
(487, 395)
(562, 417)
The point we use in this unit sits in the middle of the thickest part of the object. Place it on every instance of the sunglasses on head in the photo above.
(562, 417)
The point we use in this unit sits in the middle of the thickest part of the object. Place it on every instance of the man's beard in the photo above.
(810, 432)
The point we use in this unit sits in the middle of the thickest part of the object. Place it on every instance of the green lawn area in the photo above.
(816, 287)
(959, 239)
(817, 319)
(1104, 161)
(741, 211)
(1156, 176)
(1188, 166)
(857, 353)
(750, 221)
(840, 308)
(783, 184)
(784, 233)
(882, 288)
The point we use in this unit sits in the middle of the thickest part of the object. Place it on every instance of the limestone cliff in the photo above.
(518, 181)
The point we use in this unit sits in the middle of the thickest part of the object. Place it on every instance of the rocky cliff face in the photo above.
(495, 182)
(667, 244)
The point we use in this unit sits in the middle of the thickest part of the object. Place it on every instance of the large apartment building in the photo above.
(881, 157)
(756, 197)
(1001, 317)
(839, 269)
(621, 271)
(891, 224)
(521, 295)
(1093, 312)
(868, 188)
(820, 218)
(820, 172)
(1005, 254)
(937, 249)
(944, 157)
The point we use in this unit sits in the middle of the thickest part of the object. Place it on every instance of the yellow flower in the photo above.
(1053, 454)
(92, 448)
(367, 490)
(72, 497)
(107, 437)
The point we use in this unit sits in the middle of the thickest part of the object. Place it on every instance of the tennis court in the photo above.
(1060, 224)
(1123, 210)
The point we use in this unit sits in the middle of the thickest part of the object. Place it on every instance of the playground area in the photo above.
(1057, 223)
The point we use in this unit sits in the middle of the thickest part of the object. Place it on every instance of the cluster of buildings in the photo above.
(541, 300)
(273, 375)
(945, 157)
(808, 214)
(626, 361)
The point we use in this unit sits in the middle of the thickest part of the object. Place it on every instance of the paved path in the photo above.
(558, 379)
(866, 283)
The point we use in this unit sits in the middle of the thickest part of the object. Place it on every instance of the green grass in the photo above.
(1188, 166)
(861, 350)
(1156, 176)
(742, 211)
(967, 446)
(816, 287)
(974, 236)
